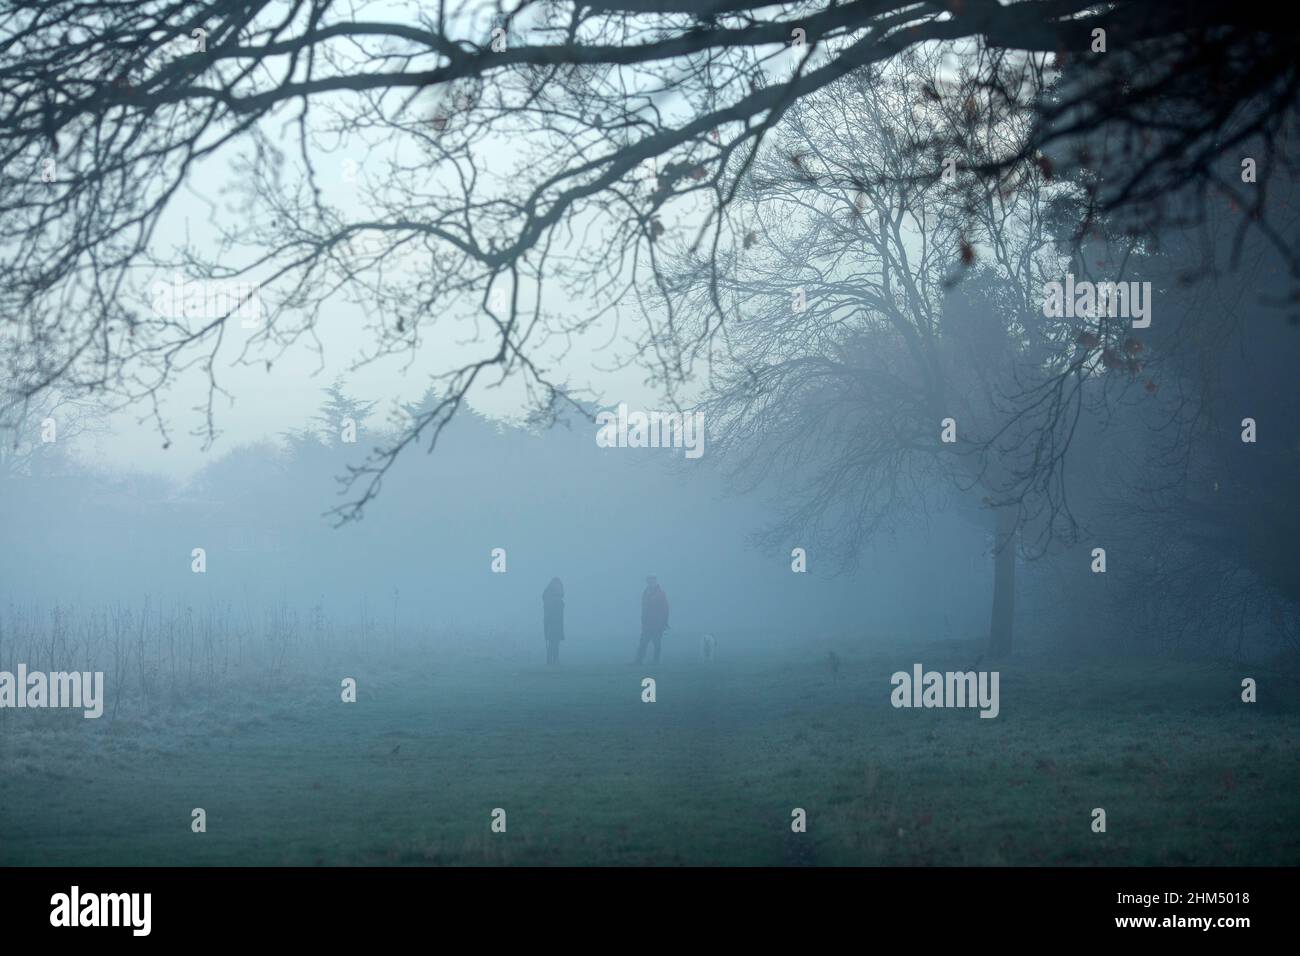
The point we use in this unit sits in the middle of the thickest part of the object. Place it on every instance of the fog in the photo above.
(422, 559)
(886, 486)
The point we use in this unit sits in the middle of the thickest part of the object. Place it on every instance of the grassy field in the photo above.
(709, 774)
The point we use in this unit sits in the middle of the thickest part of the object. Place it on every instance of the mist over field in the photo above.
(224, 689)
(850, 452)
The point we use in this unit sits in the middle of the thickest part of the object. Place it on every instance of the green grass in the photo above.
(588, 774)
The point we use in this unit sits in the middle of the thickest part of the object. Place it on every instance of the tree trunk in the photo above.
(1004, 584)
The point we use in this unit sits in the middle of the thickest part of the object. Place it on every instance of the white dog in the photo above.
(708, 647)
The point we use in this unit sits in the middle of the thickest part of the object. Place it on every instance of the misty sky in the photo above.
(598, 366)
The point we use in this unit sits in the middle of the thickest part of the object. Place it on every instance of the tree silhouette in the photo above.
(537, 155)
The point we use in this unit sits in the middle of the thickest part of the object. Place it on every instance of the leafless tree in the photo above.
(36, 441)
(850, 338)
(507, 149)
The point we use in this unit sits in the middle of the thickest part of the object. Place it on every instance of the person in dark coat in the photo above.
(654, 617)
(553, 619)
